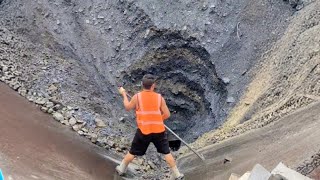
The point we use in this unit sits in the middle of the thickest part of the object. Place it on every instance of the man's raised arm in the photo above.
(128, 105)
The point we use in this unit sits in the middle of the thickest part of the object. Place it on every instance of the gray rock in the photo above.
(16, 86)
(50, 111)
(22, 91)
(94, 138)
(72, 121)
(65, 122)
(100, 123)
(68, 114)
(5, 68)
(52, 88)
(122, 119)
(299, 7)
(44, 109)
(101, 141)
(76, 127)
(230, 100)
(85, 130)
(100, 17)
(57, 107)
(49, 104)
(80, 121)
(152, 165)
(226, 80)
(80, 132)
(40, 101)
(57, 116)
(110, 143)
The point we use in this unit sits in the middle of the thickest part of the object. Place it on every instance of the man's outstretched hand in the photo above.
(122, 91)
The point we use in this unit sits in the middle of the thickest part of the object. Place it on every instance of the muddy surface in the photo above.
(290, 140)
(34, 146)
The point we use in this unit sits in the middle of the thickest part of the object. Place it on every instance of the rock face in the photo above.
(90, 47)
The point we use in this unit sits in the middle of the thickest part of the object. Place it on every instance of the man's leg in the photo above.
(122, 168)
(139, 147)
(172, 164)
(162, 144)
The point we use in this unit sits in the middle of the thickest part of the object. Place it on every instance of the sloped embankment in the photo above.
(287, 79)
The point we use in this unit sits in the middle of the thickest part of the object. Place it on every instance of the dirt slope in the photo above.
(287, 78)
(290, 140)
(33, 146)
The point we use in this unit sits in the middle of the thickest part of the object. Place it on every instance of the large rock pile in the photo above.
(12, 74)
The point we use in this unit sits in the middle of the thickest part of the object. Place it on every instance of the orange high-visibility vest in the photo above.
(149, 116)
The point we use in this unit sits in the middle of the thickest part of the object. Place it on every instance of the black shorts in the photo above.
(141, 143)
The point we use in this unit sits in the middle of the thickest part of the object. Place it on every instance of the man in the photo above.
(151, 111)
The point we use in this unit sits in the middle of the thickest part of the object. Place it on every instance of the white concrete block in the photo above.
(234, 176)
(288, 173)
(259, 173)
(245, 176)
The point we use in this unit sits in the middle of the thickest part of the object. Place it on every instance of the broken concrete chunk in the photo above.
(245, 176)
(259, 173)
(288, 173)
(234, 176)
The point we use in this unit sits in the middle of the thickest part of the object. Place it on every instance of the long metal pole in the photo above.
(199, 155)
(195, 152)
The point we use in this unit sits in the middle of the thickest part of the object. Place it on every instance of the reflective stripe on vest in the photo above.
(149, 116)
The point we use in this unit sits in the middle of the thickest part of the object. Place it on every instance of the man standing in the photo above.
(151, 111)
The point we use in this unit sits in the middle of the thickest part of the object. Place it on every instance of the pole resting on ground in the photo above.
(195, 152)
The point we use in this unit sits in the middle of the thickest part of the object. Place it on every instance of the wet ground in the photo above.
(291, 140)
(34, 146)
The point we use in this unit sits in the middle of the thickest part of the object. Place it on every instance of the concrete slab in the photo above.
(234, 176)
(288, 173)
(245, 176)
(259, 173)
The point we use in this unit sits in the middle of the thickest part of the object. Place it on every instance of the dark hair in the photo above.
(148, 80)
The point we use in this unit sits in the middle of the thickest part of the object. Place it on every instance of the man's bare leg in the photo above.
(122, 168)
(172, 164)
